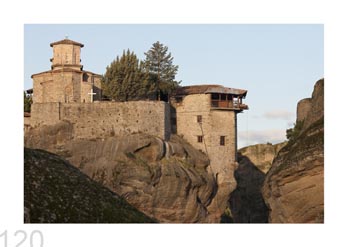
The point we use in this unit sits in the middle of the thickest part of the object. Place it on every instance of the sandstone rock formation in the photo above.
(293, 188)
(261, 155)
(57, 192)
(315, 111)
(246, 202)
(168, 181)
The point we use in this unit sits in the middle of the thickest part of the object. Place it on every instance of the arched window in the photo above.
(85, 77)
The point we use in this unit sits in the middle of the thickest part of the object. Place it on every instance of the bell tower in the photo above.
(66, 54)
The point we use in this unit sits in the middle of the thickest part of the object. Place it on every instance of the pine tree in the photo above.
(126, 79)
(162, 71)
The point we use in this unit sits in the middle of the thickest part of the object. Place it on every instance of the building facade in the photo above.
(206, 117)
(66, 82)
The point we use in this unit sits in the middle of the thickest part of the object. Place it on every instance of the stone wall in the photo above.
(103, 119)
(57, 87)
(89, 79)
(26, 123)
(186, 120)
(215, 123)
(65, 86)
(45, 114)
(66, 54)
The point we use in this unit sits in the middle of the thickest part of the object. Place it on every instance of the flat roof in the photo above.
(210, 88)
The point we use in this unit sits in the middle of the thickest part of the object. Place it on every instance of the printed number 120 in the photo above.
(22, 237)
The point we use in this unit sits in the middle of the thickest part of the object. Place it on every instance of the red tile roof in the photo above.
(67, 42)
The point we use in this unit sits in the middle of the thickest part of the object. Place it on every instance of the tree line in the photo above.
(128, 78)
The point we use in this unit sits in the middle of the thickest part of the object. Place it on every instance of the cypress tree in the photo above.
(126, 78)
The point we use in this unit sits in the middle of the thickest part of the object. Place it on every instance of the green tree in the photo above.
(27, 102)
(126, 78)
(162, 71)
(294, 132)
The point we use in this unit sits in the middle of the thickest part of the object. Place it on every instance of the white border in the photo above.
(334, 15)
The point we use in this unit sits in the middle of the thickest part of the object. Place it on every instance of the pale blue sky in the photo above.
(277, 64)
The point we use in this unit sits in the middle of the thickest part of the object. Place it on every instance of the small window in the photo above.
(229, 97)
(199, 138)
(222, 140)
(215, 96)
(199, 118)
(85, 77)
(178, 99)
(223, 96)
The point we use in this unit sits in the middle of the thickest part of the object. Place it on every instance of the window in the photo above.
(85, 77)
(222, 140)
(199, 118)
(178, 100)
(215, 96)
(199, 138)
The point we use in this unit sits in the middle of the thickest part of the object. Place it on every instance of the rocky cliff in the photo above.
(57, 192)
(293, 188)
(246, 202)
(168, 181)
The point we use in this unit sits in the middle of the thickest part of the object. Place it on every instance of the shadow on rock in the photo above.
(246, 202)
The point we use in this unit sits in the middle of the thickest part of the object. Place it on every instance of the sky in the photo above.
(277, 63)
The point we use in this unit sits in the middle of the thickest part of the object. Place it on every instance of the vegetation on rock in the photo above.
(294, 132)
(57, 192)
(27, 102)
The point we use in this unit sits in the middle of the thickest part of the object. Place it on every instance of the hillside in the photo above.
(294, 187)
(57, 192)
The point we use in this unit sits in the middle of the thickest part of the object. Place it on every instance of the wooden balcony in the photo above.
(228, 105)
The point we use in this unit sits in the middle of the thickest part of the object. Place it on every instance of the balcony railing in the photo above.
(225, 104)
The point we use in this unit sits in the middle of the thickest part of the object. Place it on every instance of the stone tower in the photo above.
(66, 54)
(206, 116)
(66, 82)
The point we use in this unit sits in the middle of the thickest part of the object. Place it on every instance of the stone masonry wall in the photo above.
(215, 123)
(45, 114)
(57, 87)
(102, 119)
(186, 120)
(66, 54)
(65, 87)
